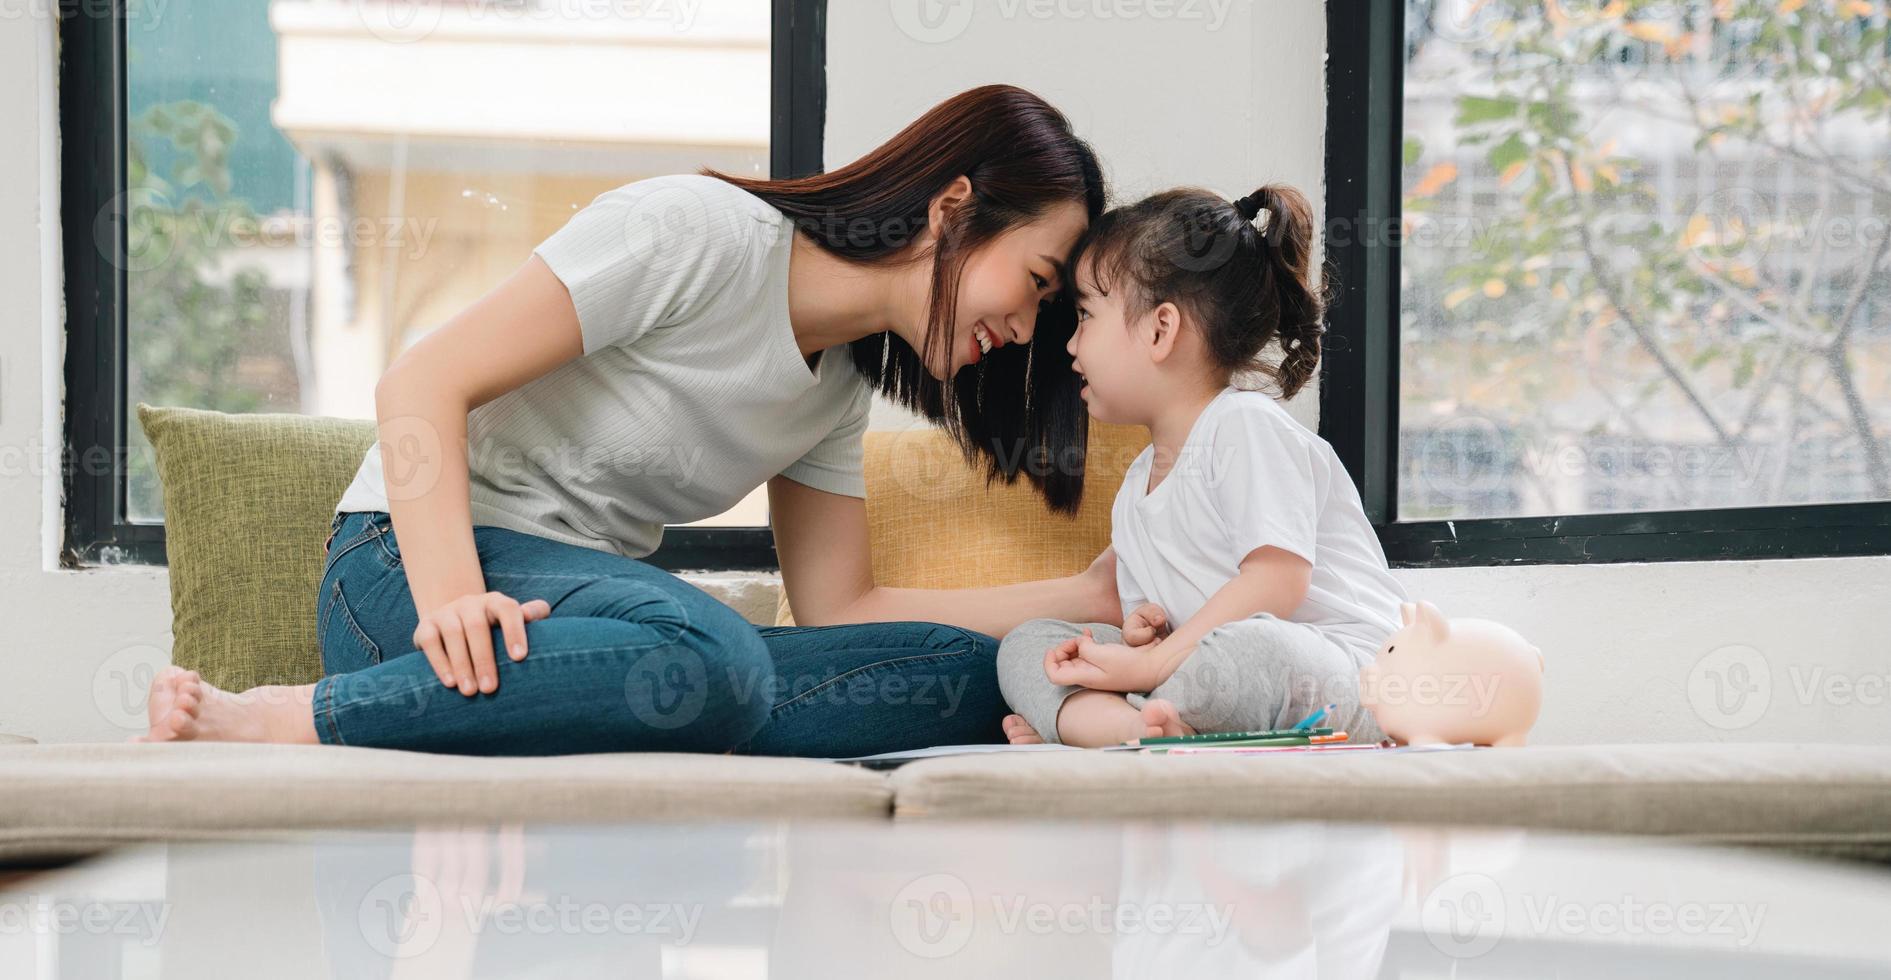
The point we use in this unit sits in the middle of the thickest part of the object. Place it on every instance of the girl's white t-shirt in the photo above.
(1249, 475)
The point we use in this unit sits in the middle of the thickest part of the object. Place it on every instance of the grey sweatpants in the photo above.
(1256, 673)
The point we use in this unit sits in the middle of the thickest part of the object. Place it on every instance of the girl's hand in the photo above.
(1146, 624)
(457, 637)
(1099, 666)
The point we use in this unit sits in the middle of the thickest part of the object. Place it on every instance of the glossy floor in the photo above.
(841, 900)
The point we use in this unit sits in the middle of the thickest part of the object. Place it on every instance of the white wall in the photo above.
(65, 634)
(1228, 94)
(1164, 101)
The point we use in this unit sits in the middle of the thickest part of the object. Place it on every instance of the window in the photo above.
(266, 203)
(1613, 277)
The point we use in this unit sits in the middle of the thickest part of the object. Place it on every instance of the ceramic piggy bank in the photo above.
(1453, 680)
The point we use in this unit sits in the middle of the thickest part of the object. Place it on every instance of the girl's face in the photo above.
(1110, 354)
(1003, 283)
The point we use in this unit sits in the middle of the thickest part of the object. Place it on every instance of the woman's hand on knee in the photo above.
(457, 637)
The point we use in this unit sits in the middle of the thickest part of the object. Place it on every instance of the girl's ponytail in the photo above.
(1286, 256)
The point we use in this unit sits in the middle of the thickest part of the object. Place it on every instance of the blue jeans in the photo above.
(632, 658)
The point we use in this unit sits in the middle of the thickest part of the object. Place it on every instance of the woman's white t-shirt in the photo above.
(690, 393)
(1249, 475)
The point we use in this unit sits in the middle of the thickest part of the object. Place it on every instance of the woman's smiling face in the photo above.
(1003, 284)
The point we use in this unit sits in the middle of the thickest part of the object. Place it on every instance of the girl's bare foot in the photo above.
(1019, 732)
(1162, 720)
(184, 707)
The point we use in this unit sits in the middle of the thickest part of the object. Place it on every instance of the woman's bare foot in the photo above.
(1162, 720)
(1019, 732)
(184, 707)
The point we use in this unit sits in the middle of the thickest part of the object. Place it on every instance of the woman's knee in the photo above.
(710, 689)
(740, 685)
(946, 638)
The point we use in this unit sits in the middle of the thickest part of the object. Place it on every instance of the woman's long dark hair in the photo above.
(1018, 408)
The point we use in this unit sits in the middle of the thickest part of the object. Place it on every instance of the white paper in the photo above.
(935, 751)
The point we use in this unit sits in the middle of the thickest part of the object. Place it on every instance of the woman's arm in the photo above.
(827, 570)
(521, 329)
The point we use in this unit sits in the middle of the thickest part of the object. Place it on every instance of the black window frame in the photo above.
(1359, 380)
(92, 97)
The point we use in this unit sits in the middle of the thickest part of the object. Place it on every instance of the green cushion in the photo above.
(247, 501)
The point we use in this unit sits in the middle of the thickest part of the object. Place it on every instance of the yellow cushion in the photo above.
(933, 524)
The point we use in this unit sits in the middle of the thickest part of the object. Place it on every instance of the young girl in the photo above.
(1252, 585)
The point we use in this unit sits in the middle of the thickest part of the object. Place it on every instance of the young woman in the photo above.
(681, 341)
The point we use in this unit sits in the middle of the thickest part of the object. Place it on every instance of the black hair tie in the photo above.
(1248, 206)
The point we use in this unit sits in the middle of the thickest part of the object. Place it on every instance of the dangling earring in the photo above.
(886, 352)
